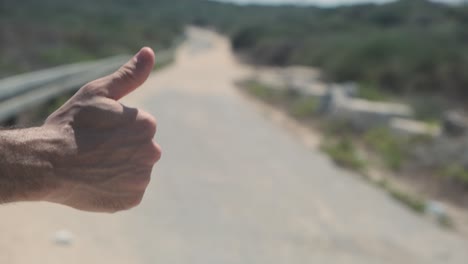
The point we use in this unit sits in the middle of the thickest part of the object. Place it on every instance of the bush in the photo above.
(388, 147)
(410, 201)
(304, 107)
(344, 153)
(337, 128)
(456, 172)
(261, 91)
(371, 93)
(407, 46)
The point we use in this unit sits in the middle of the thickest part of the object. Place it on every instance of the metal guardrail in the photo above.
(25, 91)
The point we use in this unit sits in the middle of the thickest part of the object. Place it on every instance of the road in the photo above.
(232, 187)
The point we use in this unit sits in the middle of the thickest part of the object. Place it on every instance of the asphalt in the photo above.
(232, 187)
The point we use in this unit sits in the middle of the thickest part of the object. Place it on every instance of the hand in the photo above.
(107, 151)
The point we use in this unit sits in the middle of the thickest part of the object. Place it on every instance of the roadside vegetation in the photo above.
(344, 153)
(389, 148)
(363, 152)
(304, 107)
(404, 47)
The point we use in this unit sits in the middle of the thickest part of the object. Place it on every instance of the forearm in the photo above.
(25, 164)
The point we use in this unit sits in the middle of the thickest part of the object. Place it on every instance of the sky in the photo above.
(314, 2)
(318, 2)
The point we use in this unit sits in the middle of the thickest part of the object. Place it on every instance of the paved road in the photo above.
(232, 187)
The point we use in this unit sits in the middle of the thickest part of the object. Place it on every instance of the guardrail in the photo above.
(25, 91)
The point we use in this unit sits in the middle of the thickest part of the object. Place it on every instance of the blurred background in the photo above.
(295, 131)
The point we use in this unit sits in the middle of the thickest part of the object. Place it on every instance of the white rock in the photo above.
(410, 128)
(435, 208)
(455, 123)
(364, 114)
(437, 211)
(63, 238)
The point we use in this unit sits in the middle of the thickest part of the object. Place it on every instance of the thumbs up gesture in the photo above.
(106, 151)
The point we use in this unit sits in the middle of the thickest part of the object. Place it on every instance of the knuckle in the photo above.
(148, 124)
(88, 89)
(101, 104)
(92, 89)
(149, 153)
(155, 152)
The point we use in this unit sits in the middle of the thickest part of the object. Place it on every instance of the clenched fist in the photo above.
(93, 153)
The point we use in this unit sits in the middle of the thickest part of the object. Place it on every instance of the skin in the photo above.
(92, 154)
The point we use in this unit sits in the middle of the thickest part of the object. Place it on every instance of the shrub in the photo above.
(410, 201)
(336, 128)
(344, 153)
(261, 91)
(304, 107)
(371, 92)
(388, 147)
(456, 172)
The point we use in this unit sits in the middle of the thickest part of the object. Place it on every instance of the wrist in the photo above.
(27, 168)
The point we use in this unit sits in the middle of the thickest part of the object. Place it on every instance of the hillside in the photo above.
(407, 47)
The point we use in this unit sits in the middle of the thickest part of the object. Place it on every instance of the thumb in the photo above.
(130, 76)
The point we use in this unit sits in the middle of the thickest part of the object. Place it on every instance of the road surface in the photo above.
(232, 187)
